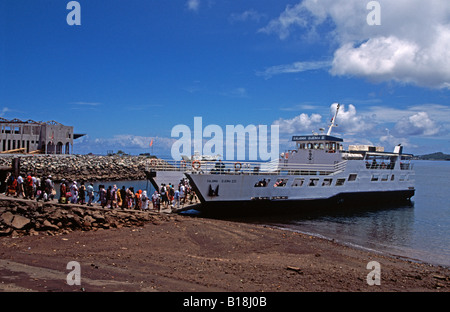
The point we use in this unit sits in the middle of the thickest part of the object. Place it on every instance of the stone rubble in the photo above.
(83, 167)
(19, 217)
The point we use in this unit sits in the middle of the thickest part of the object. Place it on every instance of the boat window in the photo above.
(262, 183)
(313, 182)
(327, 182)
(404, 166)
(374, 177)
(280, 183)
(402, 177)
(392, 178)
(340, 182)
(384, 177)
(352, 177)
(298, 182)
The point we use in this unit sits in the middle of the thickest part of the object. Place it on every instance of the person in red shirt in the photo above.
(29, 187)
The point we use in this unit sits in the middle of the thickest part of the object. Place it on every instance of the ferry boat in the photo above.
(317, 171)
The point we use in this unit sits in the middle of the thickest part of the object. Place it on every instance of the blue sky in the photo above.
(134, 69)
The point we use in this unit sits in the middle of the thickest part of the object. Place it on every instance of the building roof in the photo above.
(29, 121)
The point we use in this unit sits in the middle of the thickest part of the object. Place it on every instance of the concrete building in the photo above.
(51, 137)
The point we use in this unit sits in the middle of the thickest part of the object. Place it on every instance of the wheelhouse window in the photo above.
(313, 182)
(340, 182)
(374, 177)
(327, 182)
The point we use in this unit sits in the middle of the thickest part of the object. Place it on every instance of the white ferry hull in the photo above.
(340, 188)
(317, 170)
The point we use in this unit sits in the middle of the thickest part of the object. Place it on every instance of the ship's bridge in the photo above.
(328, 143)
(314, 149)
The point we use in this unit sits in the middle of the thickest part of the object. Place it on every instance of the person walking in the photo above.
(82, 194)
(176, 199)
(74, 191)
(144, 201)
(109, 197)
(63, 192)
(90, 193)
(123, 195)
(20, 190)
(102, 193)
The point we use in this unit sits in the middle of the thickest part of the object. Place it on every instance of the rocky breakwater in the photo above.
(26, 217)
(82, 167)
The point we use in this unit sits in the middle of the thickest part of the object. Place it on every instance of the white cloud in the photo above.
(389, 141)
(86, 103)
(438, 114)
(412, 44)
(239, 92)
(249, 15)
(348, 121)
(417, 124)
(300, 107)
(193, 5)
(292, 16)
(391, 58)
(299, 124)
(4, 111)
(296, 67)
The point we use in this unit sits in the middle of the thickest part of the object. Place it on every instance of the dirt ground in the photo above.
(189, 254)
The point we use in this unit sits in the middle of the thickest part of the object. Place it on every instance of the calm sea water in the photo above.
(419, 231)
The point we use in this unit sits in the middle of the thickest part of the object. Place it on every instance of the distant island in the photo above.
(434, 156)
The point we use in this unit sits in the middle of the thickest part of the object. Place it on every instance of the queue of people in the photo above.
(32, 187)
(174, 197)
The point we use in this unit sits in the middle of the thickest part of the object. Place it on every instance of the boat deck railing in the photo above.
(245, 167)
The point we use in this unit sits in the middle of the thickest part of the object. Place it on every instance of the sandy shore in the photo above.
(188, 254)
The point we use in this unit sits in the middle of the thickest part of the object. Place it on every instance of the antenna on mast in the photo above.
(333, 120)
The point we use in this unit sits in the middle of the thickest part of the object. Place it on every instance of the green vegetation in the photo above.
(434, 156)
